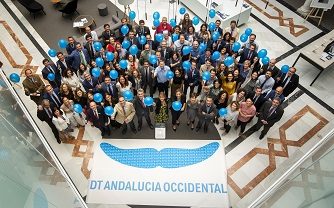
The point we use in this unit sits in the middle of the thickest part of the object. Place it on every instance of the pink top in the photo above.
(246, 110)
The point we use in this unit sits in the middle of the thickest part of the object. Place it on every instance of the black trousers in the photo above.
(206, 122)
(199, 89)
(104, 129)
(259, 124)
(54, 130)
(242, 125)
(146, 115)
(125, 126)
(152, 89)
(163, 87)
(175, 116)
(186, 85)
(227, 127)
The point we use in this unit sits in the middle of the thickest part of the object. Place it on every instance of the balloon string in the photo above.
(168, 8)
(145, 11)
(116, 9)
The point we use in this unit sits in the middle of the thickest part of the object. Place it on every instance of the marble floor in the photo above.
(253, 164)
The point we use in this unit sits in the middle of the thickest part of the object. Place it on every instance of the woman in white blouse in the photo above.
(123, 85)
(62, 124)
(231, 117)
(76, 119)
(71, 79)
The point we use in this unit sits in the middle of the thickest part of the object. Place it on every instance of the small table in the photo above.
(90, 22)
(313, 52)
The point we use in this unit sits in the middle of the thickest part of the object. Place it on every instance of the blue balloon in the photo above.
(222, 112)
(156, 22)
(126, 44)
(132, 15)
(248, 31)
(99, 62)
(51, 76)
(62, 43)
(77, 108)
(177, 105)
(110, 56)
(212, 26)
(265, 60)
(206, 75)
(215, 56)
(14, 77)
(156, 15)
(142, 40)
(98, 97)
(152, 59)
(52, 52)
(123, 64)
(195, 20)
(186, 50)
(159, 37)
(215, 35)
(212, 13)
(97, 46)
(172, 22)
(175, 37)
(169, 74)
(243, 38)
(262, 53)
(96, 72)
(182, 10)
(202, 47)
(113, 74)
(128, 95)
(148, 101)
(186, 65)
(108, 110)
(124, 29)
(228, 61)
(236, 46)
(133, 50)
(285, 69)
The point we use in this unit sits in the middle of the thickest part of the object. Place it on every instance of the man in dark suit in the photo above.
(78, 56)
(53, 96)
(166, 52)
(192, 78)
(206, 114)
(147, 73)
(142, 110)
(45, 113)
(248, 54)
(278, 92)
(71, 45)
(218, 45)
(33, 86)
(121, 35)
(51, 68)
(110, 88)
(142, 29)
(63, 63)
(257, 98)
(289, 81)
(132, 39)
(276, 72)
(106, 34)
(89, 46)
(218, 28)
(270, 113)
(91, 83)
(96, 115)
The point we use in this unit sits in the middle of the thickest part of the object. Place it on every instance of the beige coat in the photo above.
(129, 112)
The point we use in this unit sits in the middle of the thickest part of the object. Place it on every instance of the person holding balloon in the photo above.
(142, 30)
(162, 80)
(206, 114)
(109, 87)
(91, 83)
(230, 117)
(191, 35)
(51, 69)
(178, 107)
(124, 29)
(182, 46)
(123, 85)
(161, 109)
(111, 47)
(106, 34)
(97, 116)
(247, 54)
(80, 97)
(251, 40)
(164, 26)
(79, 56)
(177, 81)
(191, 78)
(76, 118)
(143, 106)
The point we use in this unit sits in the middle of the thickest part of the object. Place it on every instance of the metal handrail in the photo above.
(283, 179)
(43, 140)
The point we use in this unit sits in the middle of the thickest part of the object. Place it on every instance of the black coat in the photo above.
(274, 117)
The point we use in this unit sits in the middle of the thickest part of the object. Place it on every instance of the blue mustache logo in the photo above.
(165, 158)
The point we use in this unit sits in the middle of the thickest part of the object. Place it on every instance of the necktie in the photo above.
(232, 32)
(51, 70)
(255, 98)
(49, 112)
(147, 74)
(249, 55)
(96, 114)
(285, 81)
(82, 58)
(110, 89)
(142, 31)
(191, 73)
(263, 83)
(271, 110)
(92, 48)
(123, 108)
(142, 103)
(55, 99)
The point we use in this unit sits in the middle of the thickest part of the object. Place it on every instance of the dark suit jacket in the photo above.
(274, 117)
(48, 96)
(32, 87)
(140, 33)
(106, 36)
(144, 79)
(43, 116)
(70, 49)
(140, 109)
(97, 122)
(218, 46)
(271, 96)
(276, 72)
(87, 85)
(166, 55)
(192, 77)
(244, 55)
(259, 102)
(218, 29)
(47, 71)
(114, 92)
(75, 60)
(291, 86)
(62, 67)
(207, 116)
(91, 52)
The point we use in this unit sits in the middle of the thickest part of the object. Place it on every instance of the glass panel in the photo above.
(28, 177)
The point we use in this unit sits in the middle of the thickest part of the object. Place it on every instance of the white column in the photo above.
(305, 9)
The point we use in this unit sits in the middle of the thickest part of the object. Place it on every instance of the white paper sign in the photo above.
(159, 172)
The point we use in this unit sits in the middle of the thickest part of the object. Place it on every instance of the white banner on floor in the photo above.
(159, 172)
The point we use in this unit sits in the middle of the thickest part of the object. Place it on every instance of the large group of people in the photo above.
(246, 88)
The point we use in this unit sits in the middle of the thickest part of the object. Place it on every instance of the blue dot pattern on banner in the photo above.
(165, 158)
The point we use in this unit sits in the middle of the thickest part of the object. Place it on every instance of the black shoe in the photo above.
(59, 141)
(205, 130)
(174, 129)
(261, 136)
(151, 126)
(197, 129)
(188, 123)
(134, 131)
(178, 123)
(139, 128)
(192, 128)
(123, 132)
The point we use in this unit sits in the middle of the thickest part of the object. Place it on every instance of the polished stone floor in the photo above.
(253, 164)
